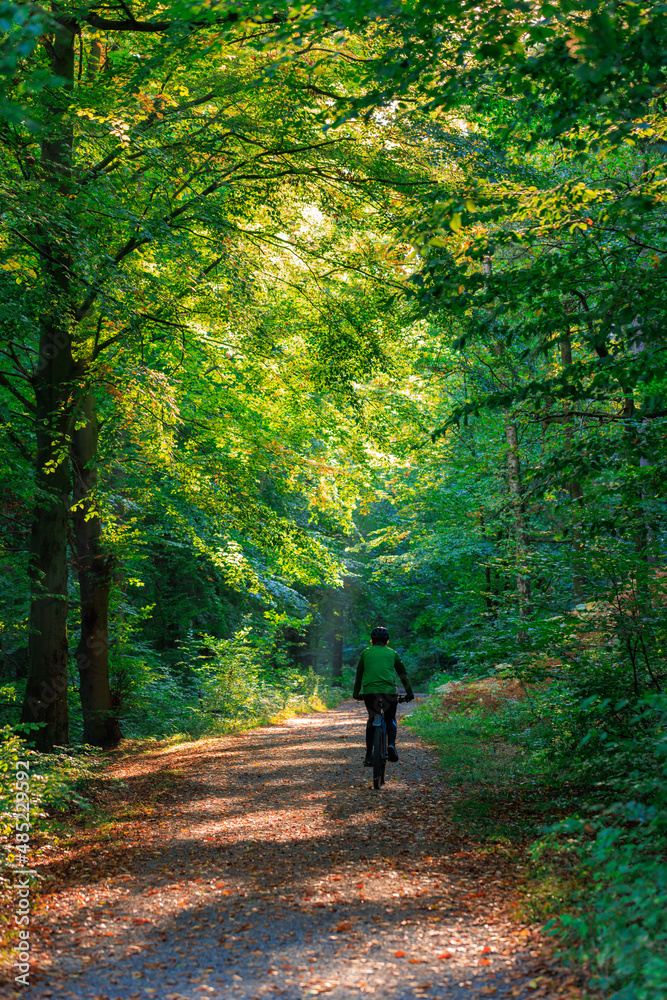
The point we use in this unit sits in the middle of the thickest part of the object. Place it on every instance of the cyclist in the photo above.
(376, 677)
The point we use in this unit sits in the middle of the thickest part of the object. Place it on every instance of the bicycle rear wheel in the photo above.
(383, 755)
(377, 756)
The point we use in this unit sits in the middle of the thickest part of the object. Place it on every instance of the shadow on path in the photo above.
(263, 864)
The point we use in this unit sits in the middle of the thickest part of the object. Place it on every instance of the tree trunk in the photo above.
(46, 691)
(514, 477)
(339, 612)
(489, 594)
(94, 565)
(637, 457)
(337, 669)
(573, 487)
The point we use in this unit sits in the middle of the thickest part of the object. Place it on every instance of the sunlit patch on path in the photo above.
(270, 868)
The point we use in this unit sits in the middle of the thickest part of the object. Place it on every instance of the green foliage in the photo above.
(237, 688)
(150, 697)
(55, 782)
(21, 28)
(367, 306)
(584, 748)
(213, 685)
(619, 842)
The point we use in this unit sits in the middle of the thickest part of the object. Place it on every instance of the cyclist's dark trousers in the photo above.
(373, 702)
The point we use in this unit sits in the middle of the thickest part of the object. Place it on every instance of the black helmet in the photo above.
(379, 634)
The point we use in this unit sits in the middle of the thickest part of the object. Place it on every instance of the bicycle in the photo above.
(379, 751)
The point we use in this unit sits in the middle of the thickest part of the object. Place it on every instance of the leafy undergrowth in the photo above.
(541, 771)
(56, 785)
(219, 686)
(494, 783)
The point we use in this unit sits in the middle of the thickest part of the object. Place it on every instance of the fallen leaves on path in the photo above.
(263, 863)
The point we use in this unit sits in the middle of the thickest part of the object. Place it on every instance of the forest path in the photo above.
(264, 865)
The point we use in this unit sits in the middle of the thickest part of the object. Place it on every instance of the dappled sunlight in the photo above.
(308, 880)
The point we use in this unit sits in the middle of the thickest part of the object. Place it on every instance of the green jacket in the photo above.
(376, 672)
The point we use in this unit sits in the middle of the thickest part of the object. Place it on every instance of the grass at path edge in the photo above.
(596, 883)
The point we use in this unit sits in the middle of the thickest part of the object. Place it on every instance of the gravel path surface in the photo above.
(272, 869)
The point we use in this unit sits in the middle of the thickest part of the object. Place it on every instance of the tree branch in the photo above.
(129, 24)
(157, 27)
(600, 349)
(21, 398)
(17, 442)
(151, 120)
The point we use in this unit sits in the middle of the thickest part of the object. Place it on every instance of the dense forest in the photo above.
(318, 318)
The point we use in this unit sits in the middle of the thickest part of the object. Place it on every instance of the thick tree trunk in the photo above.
(94, 565)
(46, 691)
